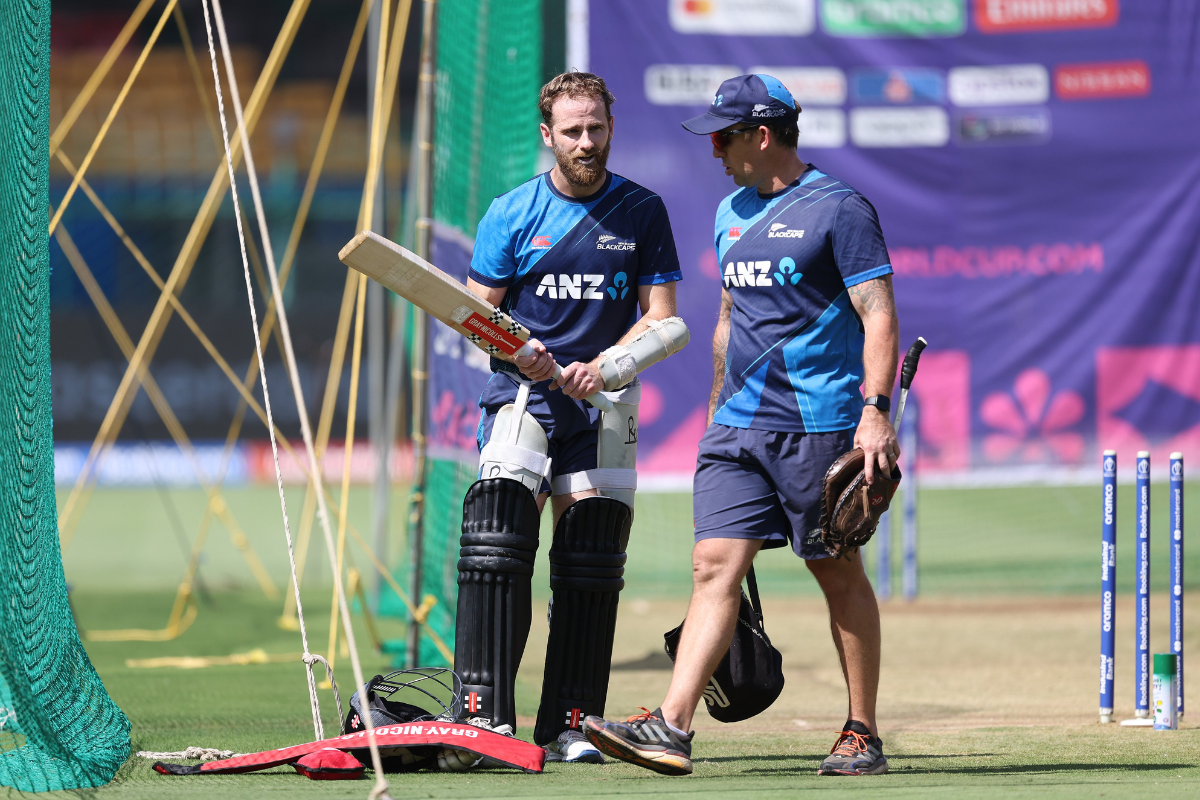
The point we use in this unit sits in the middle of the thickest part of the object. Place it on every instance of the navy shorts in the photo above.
(570, 425)
(766, 485)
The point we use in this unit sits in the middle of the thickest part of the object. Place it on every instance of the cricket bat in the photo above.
(443, 298)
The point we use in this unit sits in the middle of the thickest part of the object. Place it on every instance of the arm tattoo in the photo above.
(873, 297)
(720, 347)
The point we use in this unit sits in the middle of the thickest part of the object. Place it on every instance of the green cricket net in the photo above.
(486, 141)
(58, 727)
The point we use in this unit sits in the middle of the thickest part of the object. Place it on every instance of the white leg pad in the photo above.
(518, 448)
(615, 475)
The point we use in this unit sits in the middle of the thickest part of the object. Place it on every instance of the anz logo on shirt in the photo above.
(581, 287)
(747, 274)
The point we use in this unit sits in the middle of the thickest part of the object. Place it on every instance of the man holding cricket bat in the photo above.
(585, 260)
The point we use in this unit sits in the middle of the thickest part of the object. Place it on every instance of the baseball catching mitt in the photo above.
(850, 509)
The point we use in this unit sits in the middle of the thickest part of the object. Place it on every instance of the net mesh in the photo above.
(489, 63)
(58, 727)
(486, 142)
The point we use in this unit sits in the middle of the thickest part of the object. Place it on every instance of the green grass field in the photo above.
(989, 680)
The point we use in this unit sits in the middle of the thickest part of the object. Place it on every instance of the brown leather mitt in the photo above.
(850, 509)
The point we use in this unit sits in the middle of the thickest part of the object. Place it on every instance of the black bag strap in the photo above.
(755, 602)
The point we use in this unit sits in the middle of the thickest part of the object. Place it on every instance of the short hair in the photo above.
(787, 134)
(574, 84)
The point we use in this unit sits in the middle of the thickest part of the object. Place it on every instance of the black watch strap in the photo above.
(880, 401)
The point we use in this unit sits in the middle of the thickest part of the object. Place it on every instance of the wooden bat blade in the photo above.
(440, 295)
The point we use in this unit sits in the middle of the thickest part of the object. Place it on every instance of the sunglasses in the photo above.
(721, 139)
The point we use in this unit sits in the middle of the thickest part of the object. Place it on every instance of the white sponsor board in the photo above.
(822, 127)
(927, 126)
(1017, 84)
(744, 17)
(817, 86)
(685, 84)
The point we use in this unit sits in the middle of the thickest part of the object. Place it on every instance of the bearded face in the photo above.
(580, 166)
(580, 135)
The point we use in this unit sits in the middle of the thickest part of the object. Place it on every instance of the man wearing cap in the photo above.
(807, 328)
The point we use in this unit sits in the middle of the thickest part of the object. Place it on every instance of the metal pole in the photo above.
(909, 530)
(883, 552)
(1175, 527)
(376, 322)
(1108, 585)
(1141, 647)
(424, 164)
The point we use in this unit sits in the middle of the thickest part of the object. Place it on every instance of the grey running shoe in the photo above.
(572, 747)
(643, 739)
(856, 752)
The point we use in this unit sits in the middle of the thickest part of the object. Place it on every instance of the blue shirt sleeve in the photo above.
(858, 247)
(657, 260)
(493, 262)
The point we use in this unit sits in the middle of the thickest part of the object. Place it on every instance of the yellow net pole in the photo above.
(344, 500)
(98, 75)
(119, 407)
(112, 114)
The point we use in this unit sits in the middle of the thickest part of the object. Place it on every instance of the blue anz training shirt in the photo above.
(794, 361)
(572, 265)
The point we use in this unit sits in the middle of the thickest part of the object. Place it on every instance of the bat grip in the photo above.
(909, 368)
(598, 400)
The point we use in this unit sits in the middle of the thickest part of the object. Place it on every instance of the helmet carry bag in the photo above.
(750, 676)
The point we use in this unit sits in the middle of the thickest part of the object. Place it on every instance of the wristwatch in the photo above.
(880, 401)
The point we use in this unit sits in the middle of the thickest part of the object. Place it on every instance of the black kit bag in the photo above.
(750, 676)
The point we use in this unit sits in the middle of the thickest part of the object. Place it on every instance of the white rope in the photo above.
(202, 753)
(314, 702)
(381, 787)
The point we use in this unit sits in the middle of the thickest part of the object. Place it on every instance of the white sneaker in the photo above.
(572, 747)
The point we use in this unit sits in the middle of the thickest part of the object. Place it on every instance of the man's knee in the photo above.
(840, 576)
(720, 562)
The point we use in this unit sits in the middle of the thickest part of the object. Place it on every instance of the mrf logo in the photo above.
(745, 274)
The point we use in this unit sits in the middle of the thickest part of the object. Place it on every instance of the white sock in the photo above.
(675, 730)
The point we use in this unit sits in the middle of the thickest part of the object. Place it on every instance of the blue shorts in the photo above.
(570, 425)
(753, 484)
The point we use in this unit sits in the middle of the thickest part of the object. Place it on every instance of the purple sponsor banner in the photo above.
(1037, 179)
(458, 370)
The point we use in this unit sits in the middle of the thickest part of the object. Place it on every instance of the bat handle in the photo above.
(900, 410)
(907, 372)
(598, 400)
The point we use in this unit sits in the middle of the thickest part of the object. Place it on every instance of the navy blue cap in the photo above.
(746, 98)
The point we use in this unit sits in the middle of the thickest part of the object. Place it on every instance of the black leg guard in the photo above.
(587, 562)
(495, 568)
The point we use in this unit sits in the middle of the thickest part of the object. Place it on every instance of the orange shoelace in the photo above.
(646, 714)
(850, 744)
